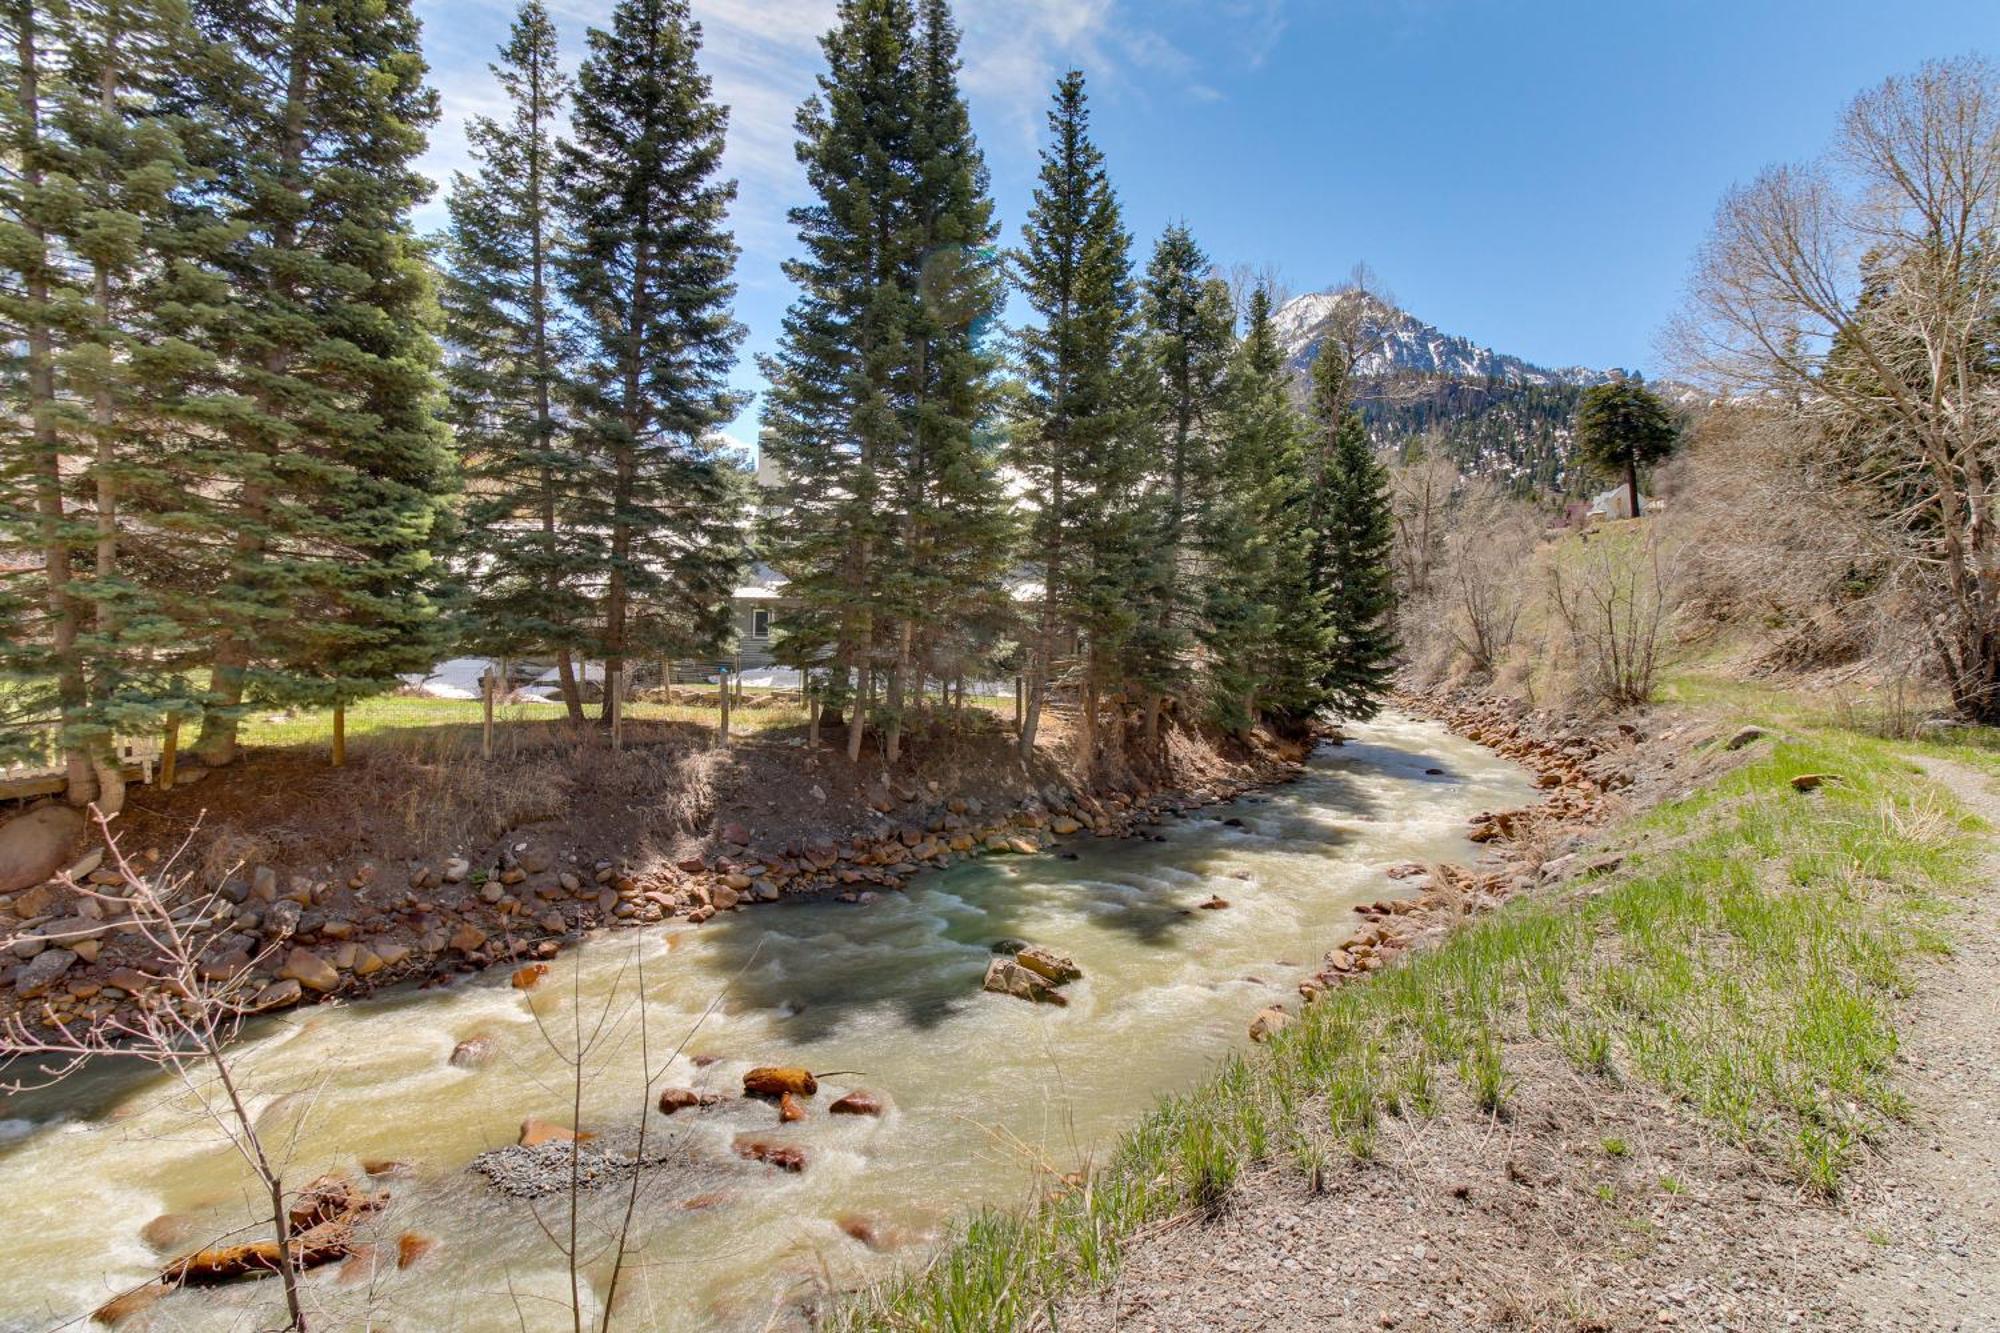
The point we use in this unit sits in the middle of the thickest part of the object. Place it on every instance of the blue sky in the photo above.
(1535, 176)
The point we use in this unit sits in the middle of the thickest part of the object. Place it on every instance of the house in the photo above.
(756, 610)
(1616, 503)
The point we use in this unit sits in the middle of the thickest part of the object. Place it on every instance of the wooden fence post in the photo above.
(616, 684)
(724, 734)
(486, 693)
(339, 733)
(170, 746)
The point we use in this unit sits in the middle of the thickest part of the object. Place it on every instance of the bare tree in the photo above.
(184, 1027)
(1485, 561)
(1862, 293)
(1616, 603)
(1420, 494)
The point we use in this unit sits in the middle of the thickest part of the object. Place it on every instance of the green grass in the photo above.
(1748, 960)
(393, 713)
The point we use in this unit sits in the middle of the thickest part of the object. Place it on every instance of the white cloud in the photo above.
(763, 56)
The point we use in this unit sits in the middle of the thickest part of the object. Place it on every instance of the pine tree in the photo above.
(39, 299)
(507, 368)
(1190, 334)
(957, 533)
(650, 274)
(888, 522)
(1624, 426)
(330, 485)
(1353, 535)
(1072, 438)
(1265, 627)
(94, 206)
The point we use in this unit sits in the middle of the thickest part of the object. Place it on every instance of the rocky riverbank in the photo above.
(295, 937)
(1591, 769)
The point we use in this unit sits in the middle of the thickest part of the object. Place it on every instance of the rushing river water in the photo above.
(982, 1089)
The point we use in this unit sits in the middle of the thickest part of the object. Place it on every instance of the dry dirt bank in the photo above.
(418, 862)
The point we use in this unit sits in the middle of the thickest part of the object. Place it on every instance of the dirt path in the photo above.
(1930, 1222)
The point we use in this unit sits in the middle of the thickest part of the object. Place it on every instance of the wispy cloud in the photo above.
(763, 56)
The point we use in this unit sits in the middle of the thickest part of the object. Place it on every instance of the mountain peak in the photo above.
(1395, 342)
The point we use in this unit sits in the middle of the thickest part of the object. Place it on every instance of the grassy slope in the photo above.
(1748, 959)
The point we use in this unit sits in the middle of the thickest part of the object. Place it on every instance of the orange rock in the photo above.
(685, 1099)
(321, 1245)
(535, 1132)
(857, 1103)
(790, 1109)
(359, 1268)
(782, 1156)
(120, 1308)
(412, 1246)
(777, 1080)
(529, 977)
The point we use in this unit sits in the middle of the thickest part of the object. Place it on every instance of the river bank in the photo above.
(986, 1100)
(421, 864)
(1648, 1090)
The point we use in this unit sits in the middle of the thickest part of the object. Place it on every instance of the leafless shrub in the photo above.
(183, 1029)
(1615, 602)
(1485, 589)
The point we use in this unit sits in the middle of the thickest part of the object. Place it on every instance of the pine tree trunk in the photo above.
(1632, 481)
(572, 693)
(864, 684)
(71, 688)
(892, 740)
(110, 772)
(1086, 759)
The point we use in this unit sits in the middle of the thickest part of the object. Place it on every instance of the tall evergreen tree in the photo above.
(1624, 426)
(651, 276)
(1354, 532)
(1265, 627)
(91, 212)
(957, 532)
(329, 486)
(1072, 442)
(37, 302)
(887, 522)
(1190, 334)
(508, 365)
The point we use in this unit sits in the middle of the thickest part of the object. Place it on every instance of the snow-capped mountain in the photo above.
(1492, 414)
(1395, 342)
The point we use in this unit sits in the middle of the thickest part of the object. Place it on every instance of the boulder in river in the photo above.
(135, 1302)
(857, 1103)
(790, 1109)
(1053, 967)
(535, 1132)
(1004, 976)
(781, 1155)
(475, 1052)
(310, 970)
(1269, 1021)
(685, 1099)
(777, 1080)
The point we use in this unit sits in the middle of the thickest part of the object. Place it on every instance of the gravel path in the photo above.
(1931, 1221)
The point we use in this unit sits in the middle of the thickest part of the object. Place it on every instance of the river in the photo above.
(982, 1089)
